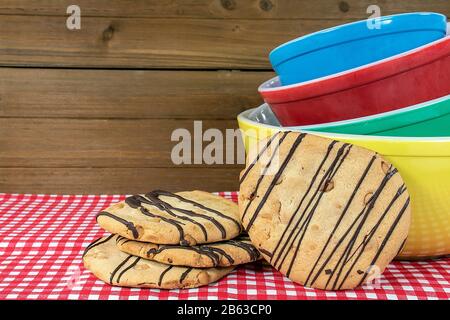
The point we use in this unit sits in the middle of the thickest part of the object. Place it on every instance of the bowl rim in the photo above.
(378, 116)
(276, 58)
(242, 117)
(263, 87)
(387, 114)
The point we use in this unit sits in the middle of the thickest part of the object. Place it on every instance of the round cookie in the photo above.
(108, 263)
(221, 254)
(184, 218)
(326, 214)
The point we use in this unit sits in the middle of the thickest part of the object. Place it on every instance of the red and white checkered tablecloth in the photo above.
(42, 238)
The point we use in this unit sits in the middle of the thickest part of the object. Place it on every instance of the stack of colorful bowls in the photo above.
(383, 84)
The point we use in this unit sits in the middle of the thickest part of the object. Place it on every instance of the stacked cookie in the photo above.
(169, 240)
(326, 214)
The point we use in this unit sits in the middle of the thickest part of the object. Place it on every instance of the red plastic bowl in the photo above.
(406, 79)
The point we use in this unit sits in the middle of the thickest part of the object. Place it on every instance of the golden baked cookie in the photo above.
(108, 263)
(185, 218)
(221, 254)
(326, 214)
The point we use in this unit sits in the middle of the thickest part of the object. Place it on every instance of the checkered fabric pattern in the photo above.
(42, 238)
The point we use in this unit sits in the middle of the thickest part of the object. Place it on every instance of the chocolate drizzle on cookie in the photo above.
(128, 268)
(358, 185)
(401, 247)
(265, 252)
(118, 268)
(248, 247)
(387, 237)
(263, 174)
(153, 199)
(277, 176)
(175, 223)
(361, 247)
(101, 241)
(113, 273)
(362, 217)
(274, 254)
(288, 247)
(251, 165)
(122, 240)
(164, 206)
(97, 242)
(136, 203)
(161, 277)
(202, 250)
(157, 193)
(301, 223)
(184, 274)
(213, 251)
(301, 231)
(130, 226)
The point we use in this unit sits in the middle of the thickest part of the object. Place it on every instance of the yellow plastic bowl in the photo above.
(424, 164)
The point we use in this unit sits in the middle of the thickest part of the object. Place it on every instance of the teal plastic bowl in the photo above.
(427, 119)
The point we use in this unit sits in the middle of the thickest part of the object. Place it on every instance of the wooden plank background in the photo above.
(92, 110)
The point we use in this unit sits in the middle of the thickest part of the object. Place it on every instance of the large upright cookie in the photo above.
(221, 254)
(108, 263)
(161, 217)
(326, 214)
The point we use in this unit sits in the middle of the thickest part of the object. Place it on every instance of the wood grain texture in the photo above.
(127, 94)
(221, 34)
(95, 113)
(32, 142)
(146, 43)
(115, 180)
(222, 9)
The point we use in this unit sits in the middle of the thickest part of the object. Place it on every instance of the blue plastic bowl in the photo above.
(354, 44)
